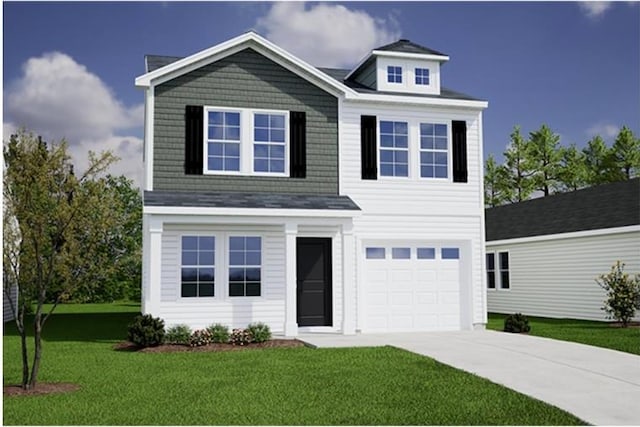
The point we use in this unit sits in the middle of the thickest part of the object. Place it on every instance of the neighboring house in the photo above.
(7, 313)
(543, 255)
(311, 199)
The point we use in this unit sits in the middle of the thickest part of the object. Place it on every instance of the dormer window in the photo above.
(394, 74)
(422, 76)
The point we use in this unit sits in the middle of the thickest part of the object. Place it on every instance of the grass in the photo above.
(599, 334)
(374, 386)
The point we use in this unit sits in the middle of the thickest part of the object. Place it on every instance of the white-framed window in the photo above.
(426, 253)
(498, 274)
(422, 76)
(394, 148)
(394, 74)
(375, 253)
(245, 266)
(434, 150)
(401, 253)
(450, 253)
(223, 140)
(197, 266)
(503, 263)
(243, 141)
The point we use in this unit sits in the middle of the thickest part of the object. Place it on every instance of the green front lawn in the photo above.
(274, 386)
(599, 334)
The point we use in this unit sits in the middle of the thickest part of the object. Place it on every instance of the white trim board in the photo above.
(571, 235)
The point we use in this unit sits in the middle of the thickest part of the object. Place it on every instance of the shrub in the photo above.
(240, 337)
(259, 331)
(516, 323)
(219, 333)
(178, 334)
(200, 337)
(146, 331)
(623, 294)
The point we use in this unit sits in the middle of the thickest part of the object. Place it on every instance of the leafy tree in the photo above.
(600, 163)
(623, 294)
(573, 170)
(546, 159)
(496, 183)
(122, 247)
(54, 223)
(519, 165)
(626, 152)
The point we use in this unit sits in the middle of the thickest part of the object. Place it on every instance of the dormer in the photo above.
(402, 67)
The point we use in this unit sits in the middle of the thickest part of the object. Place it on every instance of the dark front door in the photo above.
(314, 281)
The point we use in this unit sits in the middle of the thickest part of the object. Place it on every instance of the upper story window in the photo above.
(394, 74)
(269, 142)
(434, 153)
(422, 76)
(246, 141)
(394, 148)
(223, 140)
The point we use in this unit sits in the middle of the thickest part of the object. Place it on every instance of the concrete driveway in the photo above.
(599, 386)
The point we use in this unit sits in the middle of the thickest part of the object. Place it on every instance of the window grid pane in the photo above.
(434, 154)
(269, 143)
(198, 266)
(223, 141)
(394, 148)
(375, 253)
(491, 271)
(394, 74)
(426, 253)
(401, 253)
(245, 271)
(503, 261)
(422, 76)
(450, 253)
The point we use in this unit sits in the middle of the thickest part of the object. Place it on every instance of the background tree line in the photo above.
(541, 165)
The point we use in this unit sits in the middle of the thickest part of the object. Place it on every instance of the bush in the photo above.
(178, 334)
(219, 333)
(146, 331)
(240, 337)
(516, 323)
(623, 294)
(259, 331)
(200, 337)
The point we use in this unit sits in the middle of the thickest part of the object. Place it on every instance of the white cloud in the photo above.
(605, 130)
(326, 34)
(594, 9)
(58, 98)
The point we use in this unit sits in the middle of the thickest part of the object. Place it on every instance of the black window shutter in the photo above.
(297, 144)
(193, 138)
(459, 133)
(368, 147)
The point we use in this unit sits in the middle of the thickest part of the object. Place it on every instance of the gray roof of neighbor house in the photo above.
(407, 46)
(249, 200)
(603, 206)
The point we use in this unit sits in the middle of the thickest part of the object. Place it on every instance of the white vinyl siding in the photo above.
(556, 278)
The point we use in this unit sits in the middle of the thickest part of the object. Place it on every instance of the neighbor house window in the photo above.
(433, 150)
(503, 258)
(269, 142)
(394, 148)
(394, 74)
(198, 266)
(422, 76)
(223, 140)
(245, 261)
(491, 270)
(375, 253)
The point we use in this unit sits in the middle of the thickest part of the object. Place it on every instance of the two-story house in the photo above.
(311, 199)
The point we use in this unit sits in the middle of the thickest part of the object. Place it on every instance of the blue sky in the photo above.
(69, 68)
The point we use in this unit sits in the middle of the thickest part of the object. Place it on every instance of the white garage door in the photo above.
(411, 288)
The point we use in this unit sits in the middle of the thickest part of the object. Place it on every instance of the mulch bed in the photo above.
(629, 325)
(173, 348)
(41, 388)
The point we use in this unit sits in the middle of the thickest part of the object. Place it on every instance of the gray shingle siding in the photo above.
(245, 80)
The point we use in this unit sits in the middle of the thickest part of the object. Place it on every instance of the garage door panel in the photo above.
(402, 299)
(426, 298)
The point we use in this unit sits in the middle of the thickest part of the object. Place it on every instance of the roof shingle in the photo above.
(603, 206)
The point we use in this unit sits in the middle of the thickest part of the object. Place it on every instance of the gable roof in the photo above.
(165, 68)
(407, 46)
(603, 206)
